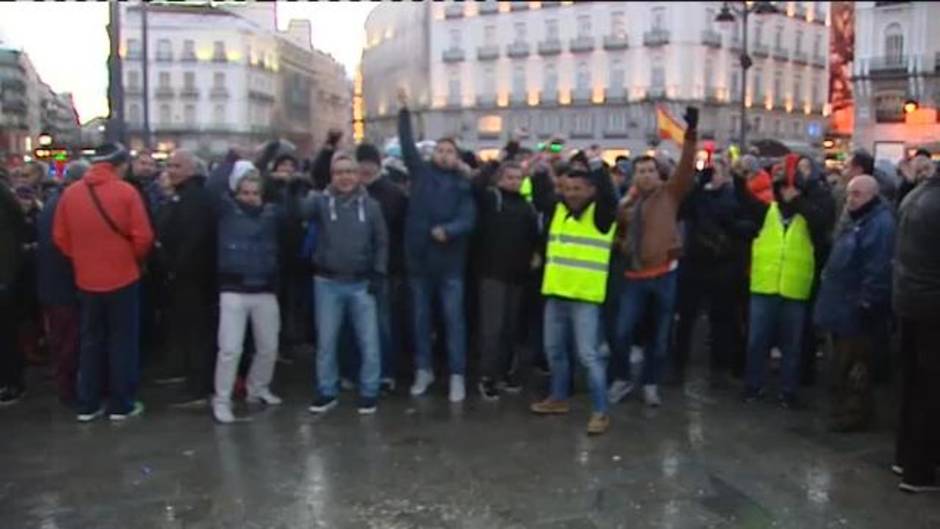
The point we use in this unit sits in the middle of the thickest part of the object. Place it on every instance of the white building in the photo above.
(594, 70)
(897, 58)
(221, 77)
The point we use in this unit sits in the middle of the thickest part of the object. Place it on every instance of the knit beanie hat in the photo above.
(366, 152)
(239, 170)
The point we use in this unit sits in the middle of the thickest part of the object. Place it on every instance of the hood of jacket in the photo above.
(100, 173)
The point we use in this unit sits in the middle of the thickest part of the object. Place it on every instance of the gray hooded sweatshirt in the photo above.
(352, 240)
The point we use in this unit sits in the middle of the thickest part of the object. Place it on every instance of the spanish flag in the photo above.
(669, 127)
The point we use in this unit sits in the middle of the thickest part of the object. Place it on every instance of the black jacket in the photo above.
(12, 237)
(507, 235)
(716, 232)
(186, 227)
(394, 204)
(286, 196)
(917, 259)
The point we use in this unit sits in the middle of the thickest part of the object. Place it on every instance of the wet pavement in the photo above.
(704, 460)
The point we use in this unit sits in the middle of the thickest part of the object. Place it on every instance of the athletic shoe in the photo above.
(222, 411)
(137, 409)
(651, 396)
(488, 390)
(367, 405)
(598, 424)
(88, 417)
(264, 397)
(916, 489)
(323, 404)
(550, 406)
(619, 390)
(457, 390)
(423, 379)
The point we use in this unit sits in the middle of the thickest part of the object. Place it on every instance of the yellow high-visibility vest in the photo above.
(782, 260)
(525, 189)
(577, 258)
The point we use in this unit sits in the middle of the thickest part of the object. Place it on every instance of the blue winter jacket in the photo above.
(857, 275)
(437, 198)
(55, 277)
(247, 246)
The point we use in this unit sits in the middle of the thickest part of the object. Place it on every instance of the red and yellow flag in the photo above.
(669, 127)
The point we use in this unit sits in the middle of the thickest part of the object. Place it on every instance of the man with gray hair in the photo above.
(186, 229)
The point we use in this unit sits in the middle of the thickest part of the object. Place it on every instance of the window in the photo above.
(709, 76)
(453, 84)
(778, 84)
(795, 126)
(164, 79)
(799, 41)
(778, 37)
(617, 121)
(583, 124)
(518, 80)
(550, 79)
(133, 113)
(218, 80)
(133, 48)
(815, 95)
(658, 77)
(454, 38)
(710, 19)
(894, 44)
(777, 127)
(758, 33)
(489, 35)
(658, 18)
(189, 80)
(735, 32)
(758, 83)
(133, 79)
(164, 113)
(735, 85)
(489, 81)
(189, 114)
(797, 88)
(520, 31)
(755, 124)
(218, 50)
(617, 26)
(550, 123)
(164, 49)
(583, 80)
(551, 29)
(616, 80)
(817, 45)
(584, 26)
(218, 114)
(189, 49)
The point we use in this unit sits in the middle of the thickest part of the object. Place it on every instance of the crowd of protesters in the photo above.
(214, 276)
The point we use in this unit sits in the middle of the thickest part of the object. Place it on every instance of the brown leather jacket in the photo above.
(660, 241)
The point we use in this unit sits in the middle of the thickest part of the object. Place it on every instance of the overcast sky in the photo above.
(79, 63)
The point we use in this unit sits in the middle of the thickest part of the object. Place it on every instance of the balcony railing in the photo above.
(800, 57)
(518, 6)
(581, 45)
(488, 53)
(219, 57)
(656, 92)
(549, 96)
(453, 55)
(164, 57)
(892, 64)
(799, 10)
(188, 57)
(711, 38)
(517, 98)
(615, 94)
(488, 8)
(189, 92)
(133, 55)
(133, 90)
(13, 84)
(16, 106)
(656, 37)
(164, 92)
(218, 92)
(780, 102)
(735, 45)
(819, 15)
(819, 61)
(615, 42)
(453, 10)
(453, 100)
(549, 47)
(486, 100)
(781, 54)
(551, 3)
(712, 94)
(581, 95)
(760, 50)
(518, 50)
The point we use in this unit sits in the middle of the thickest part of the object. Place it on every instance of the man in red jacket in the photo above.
(101, 224)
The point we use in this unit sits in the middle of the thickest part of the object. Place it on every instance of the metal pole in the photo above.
(145, 75)
(745, 65)
(115, 129)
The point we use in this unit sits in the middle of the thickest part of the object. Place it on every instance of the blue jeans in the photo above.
(110, 336)
(450, 290)
(334, 299)
(775, 321)
(565, 319)
(638, 295)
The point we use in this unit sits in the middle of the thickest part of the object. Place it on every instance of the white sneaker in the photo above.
(264, 397)
(457, 390)
(423, 379)
(222, 411)
(88, 417)
(651, 396)
(619, 391)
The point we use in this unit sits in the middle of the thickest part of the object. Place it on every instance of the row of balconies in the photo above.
(136, 55)
(545, 48)
(188, 92)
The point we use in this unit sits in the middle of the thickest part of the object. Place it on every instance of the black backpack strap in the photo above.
(104, 214)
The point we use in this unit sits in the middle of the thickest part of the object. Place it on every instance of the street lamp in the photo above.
(44, 139)
(729, 15)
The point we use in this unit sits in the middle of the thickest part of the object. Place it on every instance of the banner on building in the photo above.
(841, 57)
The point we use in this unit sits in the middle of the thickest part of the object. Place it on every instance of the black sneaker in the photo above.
(511, 383)
(752, 395)
(788, 401)
(488, 390)
(323, 404)
(367, 405)
(11, 395)
(387, 386)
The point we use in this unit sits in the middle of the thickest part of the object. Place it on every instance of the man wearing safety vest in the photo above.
(783, 268)
(575, 282)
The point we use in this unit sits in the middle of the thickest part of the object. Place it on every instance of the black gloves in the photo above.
(691, 117)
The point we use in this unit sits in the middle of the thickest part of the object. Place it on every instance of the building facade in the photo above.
(593, 71)
(221, 77)
(897, 59)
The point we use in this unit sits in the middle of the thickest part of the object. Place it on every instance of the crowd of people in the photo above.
(213, 275)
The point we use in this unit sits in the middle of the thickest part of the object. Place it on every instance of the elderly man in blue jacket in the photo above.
(440, 220)
(855, 299)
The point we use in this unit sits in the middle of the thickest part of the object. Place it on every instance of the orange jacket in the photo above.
(104, 261)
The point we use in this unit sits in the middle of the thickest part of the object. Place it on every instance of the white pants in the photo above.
(235, 312)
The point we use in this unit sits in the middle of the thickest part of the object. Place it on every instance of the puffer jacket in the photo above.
(917, 266)
(247, 246)
(857, 276)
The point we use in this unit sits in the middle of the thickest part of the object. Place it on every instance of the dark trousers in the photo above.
(110, 339)
(190, 339)
(63, 323)
(853, 402)
(11, 357)
(294, 299)
(918, 441)
(711, 289)
(500, 303)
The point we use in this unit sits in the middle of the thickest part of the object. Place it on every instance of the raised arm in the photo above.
(406, 139)
(682, 180)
